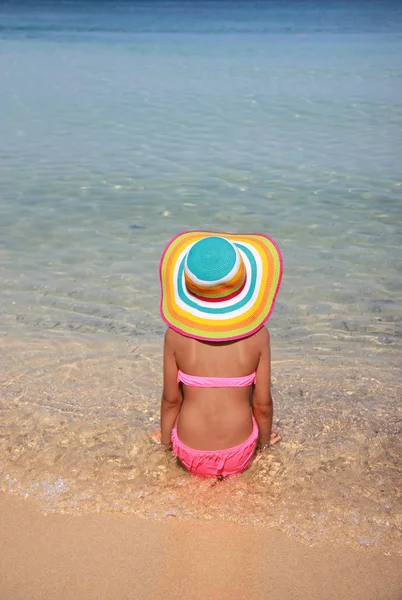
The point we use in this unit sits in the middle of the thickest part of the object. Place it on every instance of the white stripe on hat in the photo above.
(225, 303)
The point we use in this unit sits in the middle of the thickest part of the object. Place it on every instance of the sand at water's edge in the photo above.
(116, 557)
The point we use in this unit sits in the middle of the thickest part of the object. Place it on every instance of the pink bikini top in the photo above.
(216, 382)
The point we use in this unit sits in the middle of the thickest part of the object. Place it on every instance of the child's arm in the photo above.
(171, 395)
(262, 400)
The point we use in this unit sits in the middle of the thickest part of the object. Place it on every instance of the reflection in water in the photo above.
(76, 412)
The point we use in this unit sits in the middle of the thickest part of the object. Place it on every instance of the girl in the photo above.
(218, 290)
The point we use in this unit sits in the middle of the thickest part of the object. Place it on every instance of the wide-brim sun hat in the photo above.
(219, 286)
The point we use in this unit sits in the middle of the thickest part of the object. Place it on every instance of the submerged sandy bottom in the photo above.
(75, 412)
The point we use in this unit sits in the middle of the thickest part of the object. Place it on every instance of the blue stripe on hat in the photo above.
(223, 310)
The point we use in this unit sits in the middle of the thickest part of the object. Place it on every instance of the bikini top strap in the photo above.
(197, 381)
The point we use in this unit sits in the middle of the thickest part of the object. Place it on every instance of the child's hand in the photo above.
(275, 435)
(155, 436)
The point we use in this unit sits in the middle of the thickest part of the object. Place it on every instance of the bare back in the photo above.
(218, 418)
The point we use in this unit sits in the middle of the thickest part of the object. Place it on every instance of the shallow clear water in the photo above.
(121, 126)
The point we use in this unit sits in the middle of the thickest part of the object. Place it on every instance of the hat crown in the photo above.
(211, 259)
(214, 269)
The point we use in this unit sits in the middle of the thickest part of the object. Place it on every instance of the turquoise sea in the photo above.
(122, 124)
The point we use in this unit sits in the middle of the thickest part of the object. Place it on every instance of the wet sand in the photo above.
(116, 557)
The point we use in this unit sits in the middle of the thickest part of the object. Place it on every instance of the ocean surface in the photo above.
(124, 123)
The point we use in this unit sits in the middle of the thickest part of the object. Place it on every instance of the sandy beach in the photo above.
(116, 557)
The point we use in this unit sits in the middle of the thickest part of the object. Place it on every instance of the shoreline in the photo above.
(75, 412)
(115, 556)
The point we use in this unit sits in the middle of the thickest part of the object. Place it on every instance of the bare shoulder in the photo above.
(173, 339)
(259, 342)
(264, 334)
(261, 338)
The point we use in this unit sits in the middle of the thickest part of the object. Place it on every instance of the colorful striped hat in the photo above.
(219, 286)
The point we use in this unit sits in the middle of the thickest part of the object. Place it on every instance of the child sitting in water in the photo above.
(217, 293)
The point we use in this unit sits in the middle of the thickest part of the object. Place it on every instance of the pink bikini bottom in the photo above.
(216, 463)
